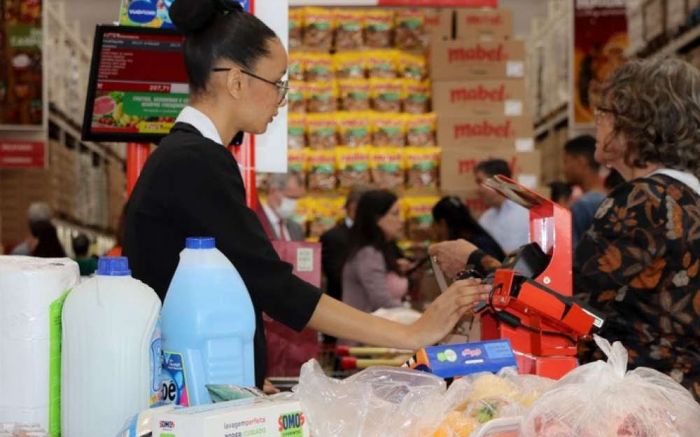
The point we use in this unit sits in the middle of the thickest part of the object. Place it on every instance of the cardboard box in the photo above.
(457, 165)
(438, 23)
(259, 417)
(654, 19)
(460, 60)
(483, 98)
(483, 24)
(467, 131)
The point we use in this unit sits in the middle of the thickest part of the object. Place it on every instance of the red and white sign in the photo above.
(22, 154)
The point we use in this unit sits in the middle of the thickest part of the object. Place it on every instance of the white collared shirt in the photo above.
(275, 221)
(201, 122)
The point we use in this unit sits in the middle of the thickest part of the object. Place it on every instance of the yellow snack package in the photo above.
(353, 166)
(321, 166)
(318, 67)
(354, 128)
(296, 23)
(354, 94)
(348, 29)
(321, 130)
(326, 213)
(378, 26)
(295, 68)
(420, 129)
(416, 97)
(386, 94)
(296, 163)
(412, 66)
(419, 215)
(387, 167)
(296, 131)
(388, 129)
(382, 64)
(318, 28)
(296, 97)
(410, 29)
(303, 213)
(321, 96)
(350, 65)
(422, 167)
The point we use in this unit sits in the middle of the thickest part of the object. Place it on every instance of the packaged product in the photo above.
(348, 29)
(321, 166)
(412, 66)
(386, 94)
(296, 163)
(318, 28)
(387, 167)
(295, 68)
(382, 64)
(321, 96)
(421, 167)
(318, 67)
(419, 216)
(296, 23)
(354, 128)
(354, 94)
(410, 29)
(303, 213)
(353, 166)
(296, 97)
(321, 130)
(296, 131)
(388, 129)
(378, 26)
(420, 129)
(416, 97)
(349, 65)
(326, 211)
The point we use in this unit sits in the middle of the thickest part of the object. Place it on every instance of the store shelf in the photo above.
(548, 123)
(675, 46)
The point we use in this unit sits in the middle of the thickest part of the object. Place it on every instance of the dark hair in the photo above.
(493, 167)
(81, 245)
(559, 191)
(373, 205)
(218, 29)
(48, 245)
(583, 145)
(460, 222)
(613, 179)
(656, 107)
(355, 194)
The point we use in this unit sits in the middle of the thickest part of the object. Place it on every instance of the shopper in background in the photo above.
(640, 261)
(505, 220)
(38, 212)
(452, 220)
(192, 185)
(582, 170)
(372, 278)
(276, 210)
(48, 245)
(81, 249)
(560, 192)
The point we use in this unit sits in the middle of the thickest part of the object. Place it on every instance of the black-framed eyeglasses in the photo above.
(282, 85)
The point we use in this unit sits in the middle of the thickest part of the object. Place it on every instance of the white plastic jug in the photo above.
(111, 355)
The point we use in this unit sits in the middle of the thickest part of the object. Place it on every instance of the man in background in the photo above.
(282, 191)
(81, 249)
(39, 215)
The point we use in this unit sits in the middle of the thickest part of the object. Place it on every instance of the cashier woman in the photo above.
(191, 185)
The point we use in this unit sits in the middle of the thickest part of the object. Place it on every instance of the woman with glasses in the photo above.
(191, 186)
(639, 263)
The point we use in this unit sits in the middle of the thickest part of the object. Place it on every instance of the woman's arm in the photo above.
(452, 257)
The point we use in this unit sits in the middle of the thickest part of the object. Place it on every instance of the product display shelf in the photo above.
(552, 121)
(684, 42)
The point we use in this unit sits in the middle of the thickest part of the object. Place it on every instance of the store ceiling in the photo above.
(90, 13)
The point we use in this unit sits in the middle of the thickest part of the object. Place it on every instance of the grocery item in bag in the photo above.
(354, 128)
(419, 216)
(318, 67)
(410, 30)
(296, 23)
(412, 66)
(296, 131)
(322, 131)
(321, 170)
(295, 68)
(416, 97)
(354, 94)
(353, 166)
(382, 64)
(422, 167)
(386, 94)
(387, 167)
(378, 27)
(611, 401)
(318, 28)
(321, 96)
(296, 97)
(349, 65)
(420, 129)
(348, 25)
(388, 130)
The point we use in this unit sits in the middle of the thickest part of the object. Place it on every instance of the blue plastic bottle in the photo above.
(207, 326)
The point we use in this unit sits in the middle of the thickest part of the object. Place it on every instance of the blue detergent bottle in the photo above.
(207, 326)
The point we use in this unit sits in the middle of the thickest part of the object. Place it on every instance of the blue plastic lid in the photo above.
(200, 243)
(113, 266)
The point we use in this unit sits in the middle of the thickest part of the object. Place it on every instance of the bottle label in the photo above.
(156, 395)
(174, 386)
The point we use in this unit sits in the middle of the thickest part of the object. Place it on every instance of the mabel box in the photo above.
(468, 130)
(484, 24)
(259, 417)
(461, 59)
(483, 98)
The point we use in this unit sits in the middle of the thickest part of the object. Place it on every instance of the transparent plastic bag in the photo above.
(604, 399)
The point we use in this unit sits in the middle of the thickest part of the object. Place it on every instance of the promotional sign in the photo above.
(21, 72)
(22, 154)
(600, 41)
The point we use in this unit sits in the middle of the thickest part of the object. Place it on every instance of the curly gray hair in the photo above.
(656, 104)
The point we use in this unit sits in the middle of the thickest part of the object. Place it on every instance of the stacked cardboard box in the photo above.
(480, 98)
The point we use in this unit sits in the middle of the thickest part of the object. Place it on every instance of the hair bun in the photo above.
(191, 16)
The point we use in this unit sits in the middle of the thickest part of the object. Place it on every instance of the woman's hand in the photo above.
(452, 256)
(440, 318)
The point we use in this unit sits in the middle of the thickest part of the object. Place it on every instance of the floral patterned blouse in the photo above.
(639, 263)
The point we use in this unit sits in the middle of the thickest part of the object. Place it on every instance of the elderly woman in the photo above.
(640, 261)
